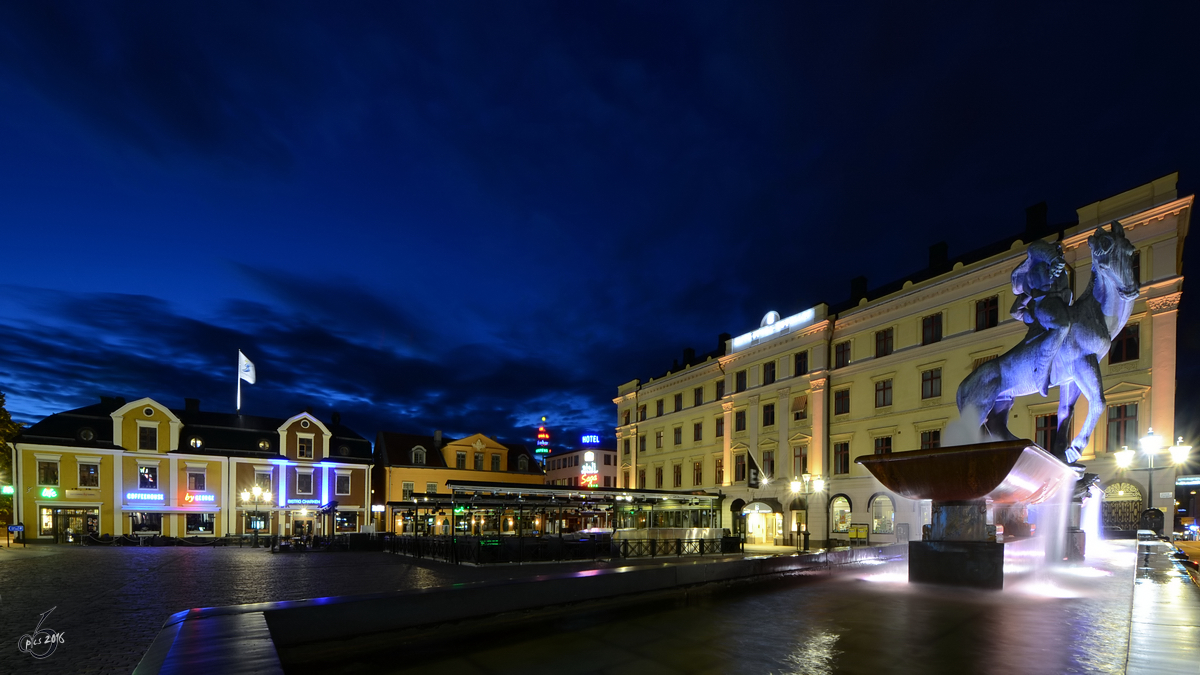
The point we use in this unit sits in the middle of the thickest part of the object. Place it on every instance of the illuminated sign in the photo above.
(6, 490)
(378, 508)
(772, 325)
(304, 501)
(1188, 480)
(589, 472)
(591, 439)
(459, 510)
(194, 497)
(49, 493)
(143, 496)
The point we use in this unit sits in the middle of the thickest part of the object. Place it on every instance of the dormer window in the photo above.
(196, 442)
(148, 438)
(264, 444)
(304, 448)
(304, 423)
(418, 455)
(522, 464)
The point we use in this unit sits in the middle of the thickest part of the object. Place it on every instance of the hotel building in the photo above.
(774, 418)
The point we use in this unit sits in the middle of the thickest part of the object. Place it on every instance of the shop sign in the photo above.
(6, 490)
(144, 496)
(49, 493)
(304, 501)
(198, 498)
(589, 472)
(378, 508)
(76, 494)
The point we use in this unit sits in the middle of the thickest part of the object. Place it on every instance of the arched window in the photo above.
(883, 516)
(839, 513)
(418, 455)
(522, 463)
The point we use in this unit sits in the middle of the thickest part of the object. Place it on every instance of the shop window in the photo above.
(148, 438)
(801, 365)
(1122, 426)
(768, 467)
(342, 485)
(883, 393)
(739, 421)
(201, 523)
(89, 475)
(841, 458)
(304, 448)
(841, 402)
(931, 439)
(739, 381)
(987, 313)
(346, 521)
(258, 522)
(883, 516)
(145, 523)
(47, 473)
(739, 468)
(768, 373)
(460, 460)
(884, 342)
(148, 477)
(931, 329)
(768, 415)
(1045, 431)
(195, 480)
(406, 492)
(839, 514)
(931, 383)
(1125, 345)
(304, 483)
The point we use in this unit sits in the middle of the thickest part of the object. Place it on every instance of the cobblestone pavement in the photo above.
(110, 602)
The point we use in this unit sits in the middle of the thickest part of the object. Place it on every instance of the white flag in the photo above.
(245, 368)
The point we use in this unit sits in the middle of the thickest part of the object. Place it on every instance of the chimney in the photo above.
(337, 418)
(858, 289)
(689, 356)
(938, 257)
(722, 340)
(1035, 221)
(437, 439)
(191, 404)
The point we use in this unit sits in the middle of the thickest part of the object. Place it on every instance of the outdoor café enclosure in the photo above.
(510, 522)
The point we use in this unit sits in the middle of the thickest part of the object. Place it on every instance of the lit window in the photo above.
(305, 448)
(195, 480)
(148, 477)
(47, 473)
(839, 512)
(89, 475)
(697, 473)
(678, 475)
(658, 477)
(196, 442)
(883, 516)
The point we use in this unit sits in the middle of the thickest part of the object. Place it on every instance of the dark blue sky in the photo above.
(467, 216)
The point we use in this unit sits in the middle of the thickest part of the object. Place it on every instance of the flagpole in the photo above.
(239, 379)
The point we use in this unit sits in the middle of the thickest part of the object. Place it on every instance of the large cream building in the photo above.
(809, 393)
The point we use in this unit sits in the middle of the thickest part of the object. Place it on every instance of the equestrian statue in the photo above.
(1064, 342)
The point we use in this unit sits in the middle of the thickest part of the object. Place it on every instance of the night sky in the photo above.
(464, 216)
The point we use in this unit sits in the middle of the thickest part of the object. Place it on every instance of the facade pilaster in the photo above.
(727, 443)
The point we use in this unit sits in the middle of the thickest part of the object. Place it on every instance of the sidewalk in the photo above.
(1164, 630)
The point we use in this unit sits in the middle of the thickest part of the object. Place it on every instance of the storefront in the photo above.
(65, 525)
(764, 522)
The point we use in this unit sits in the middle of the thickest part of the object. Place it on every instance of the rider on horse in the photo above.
(1043, 296)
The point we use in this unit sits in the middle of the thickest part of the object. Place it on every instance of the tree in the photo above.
(8, 430)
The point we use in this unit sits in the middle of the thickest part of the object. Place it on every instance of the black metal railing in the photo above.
(483, 550)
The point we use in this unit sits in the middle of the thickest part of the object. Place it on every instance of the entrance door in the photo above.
(302, 527)
(756, 528)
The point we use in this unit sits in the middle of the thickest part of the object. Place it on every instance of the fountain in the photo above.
(1063, 346)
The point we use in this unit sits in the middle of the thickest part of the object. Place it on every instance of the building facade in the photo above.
(589, 466)
(775, 418)
(141, 468)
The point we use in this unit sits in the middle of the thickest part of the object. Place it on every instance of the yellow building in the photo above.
(411, 468)
(142, 469)
(802, 396)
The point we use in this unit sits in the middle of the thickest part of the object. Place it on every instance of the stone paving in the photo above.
(110, 602)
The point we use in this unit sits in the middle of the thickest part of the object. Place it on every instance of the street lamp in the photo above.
(806, 485)
(256, 496)
(1151, 444)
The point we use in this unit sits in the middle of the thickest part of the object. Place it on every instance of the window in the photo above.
(841, 458)
(607, 482)
(1136, 263)
(341, 484)
(625, 479)
(346, 521)
(201, 523)
(698, 431)
(89, 475)
(609, 460)
(839, 512)
(1125, 345)
(625, 447)
(841, 402)
(522, 463)
(658, 407)
(987, 313)
(641, 413)
(1122, 426)
(1045, 430)
(931, 439)
(148, 477)
(145, 522)
(801, 363)
(799, 460)
(263, 480)
(739, 468)
(719, 471)
(47, 473)
(739, 381)
(883, 515)
(304, 483)
(739, 421)
(678, 402)
(196, 442)
(720, 384)
(195, 480)
(883, 445)
(148, 438)
(883, 393)
(768, 458)
(768, 415)
(418, 456)
(799, 408)
(698, 396)
(479, 461)
(678, 471)
(697, 473)
(658, 477)
(768, 372)
(495, 462)
(678, 433)
(841, 354)
(624, 417)
(642, 443)
(641, 479)
(931, 383)
(931, 329)
(460, 460)
(883, 342)
(719, 427)
(304, 448)
(407, 491)
(658, 439)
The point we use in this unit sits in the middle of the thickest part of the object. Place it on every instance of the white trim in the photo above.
(196, 465)
(151, 508)
(344, 472)
(312, 436)
(141, 461)
(47, 458)
(87, 459)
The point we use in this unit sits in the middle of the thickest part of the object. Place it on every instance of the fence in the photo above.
(490, 550)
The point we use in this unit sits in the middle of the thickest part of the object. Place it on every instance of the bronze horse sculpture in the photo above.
(1064, 344)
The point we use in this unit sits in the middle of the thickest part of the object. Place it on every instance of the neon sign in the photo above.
(304, 501)
(591, 439)
(6, 490)
(773, 325)
(589, 472)
(543, 439)
(144, 496)
(193, 497)
(49, 493)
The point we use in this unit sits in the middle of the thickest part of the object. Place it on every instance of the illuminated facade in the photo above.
(589, 466)
(809, 393)
(411, 468)
(143, 469)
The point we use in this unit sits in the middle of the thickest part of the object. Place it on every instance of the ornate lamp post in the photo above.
(806, 485)
(256, 496)
(1151, 445)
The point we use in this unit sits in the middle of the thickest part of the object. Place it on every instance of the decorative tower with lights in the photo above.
(543, 442)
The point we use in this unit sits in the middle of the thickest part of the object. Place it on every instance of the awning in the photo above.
(764, 505)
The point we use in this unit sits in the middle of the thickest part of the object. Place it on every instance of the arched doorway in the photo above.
(739, 518)
(764, 522)
(1122, 506)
